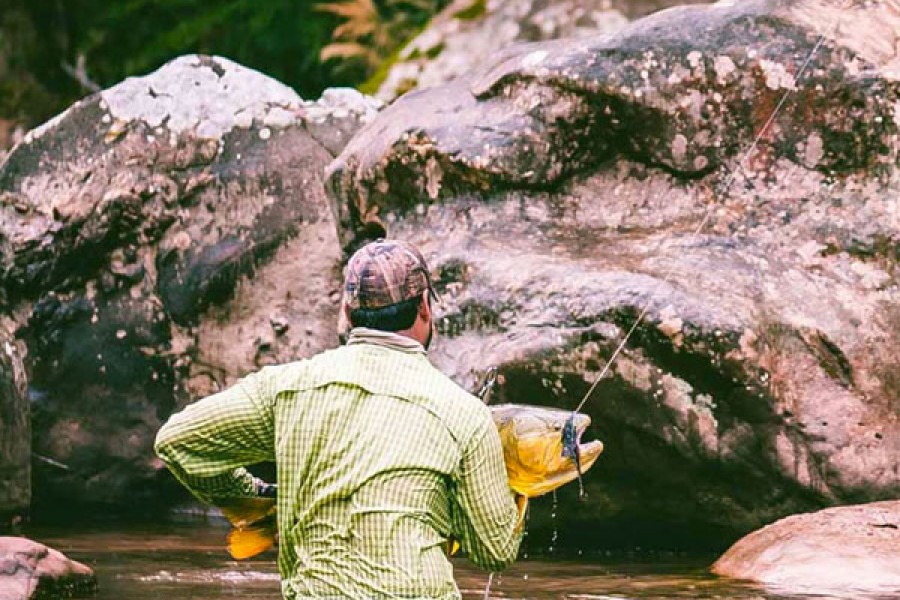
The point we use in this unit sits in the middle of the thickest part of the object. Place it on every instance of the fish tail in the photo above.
(250, 541)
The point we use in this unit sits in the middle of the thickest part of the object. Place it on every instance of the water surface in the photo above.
(188, 561)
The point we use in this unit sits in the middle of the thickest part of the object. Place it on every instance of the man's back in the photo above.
(380, 459)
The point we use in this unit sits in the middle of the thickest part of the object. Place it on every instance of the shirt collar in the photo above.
(388, 339)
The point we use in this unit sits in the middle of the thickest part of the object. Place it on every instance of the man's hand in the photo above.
(522, 505)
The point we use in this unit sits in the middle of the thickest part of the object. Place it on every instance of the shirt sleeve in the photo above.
(208, 444)
(486, 517)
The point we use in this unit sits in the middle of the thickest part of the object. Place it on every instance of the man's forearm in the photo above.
(239, 482)
(488, 521)
(207, 444)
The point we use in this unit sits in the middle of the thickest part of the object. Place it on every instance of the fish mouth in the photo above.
(571, 463)
(587, 452)
(590, 452)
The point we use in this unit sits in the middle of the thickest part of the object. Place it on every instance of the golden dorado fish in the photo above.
(542, 450)
(542, 447)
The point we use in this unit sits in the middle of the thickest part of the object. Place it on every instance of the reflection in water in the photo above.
(188, 561)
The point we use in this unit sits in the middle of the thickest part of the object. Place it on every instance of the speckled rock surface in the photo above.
(15, 431)
(31, 571)
(844, 552)
(464, 34)
(159, 239)
(557, 191)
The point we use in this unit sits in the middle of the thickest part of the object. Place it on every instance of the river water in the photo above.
(182, 561)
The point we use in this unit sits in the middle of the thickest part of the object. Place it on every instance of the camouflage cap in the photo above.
(385, 272)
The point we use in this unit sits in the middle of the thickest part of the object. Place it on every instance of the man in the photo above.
(381, 459)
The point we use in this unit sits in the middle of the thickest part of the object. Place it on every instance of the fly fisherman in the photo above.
(381, 459)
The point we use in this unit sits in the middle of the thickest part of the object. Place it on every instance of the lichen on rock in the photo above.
(152, 234)
(728, 171)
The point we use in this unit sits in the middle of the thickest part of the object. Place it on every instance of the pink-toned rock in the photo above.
(32, 571)
(562, 188)
(15, 431)
(194, 245)
(849, 549)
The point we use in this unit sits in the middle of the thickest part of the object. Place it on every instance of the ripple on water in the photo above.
(231, 577)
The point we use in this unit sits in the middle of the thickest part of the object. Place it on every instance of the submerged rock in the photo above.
(728, 172)
(32, 571)
(159, 239)
(850, 551)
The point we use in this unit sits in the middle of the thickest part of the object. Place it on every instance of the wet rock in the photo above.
(148, 235)
(32, 571)
(15, 432)
(568, 192)
(458, 39)
(849, 551)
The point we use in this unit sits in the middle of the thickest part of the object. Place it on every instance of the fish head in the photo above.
(537, 458)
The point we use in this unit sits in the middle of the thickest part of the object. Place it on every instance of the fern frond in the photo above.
(345, 50)
(349, 9)
(353, 30)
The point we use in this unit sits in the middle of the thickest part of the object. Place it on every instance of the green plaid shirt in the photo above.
(380, 458)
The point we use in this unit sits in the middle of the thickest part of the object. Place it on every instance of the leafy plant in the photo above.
(371, 32)
(53, 52)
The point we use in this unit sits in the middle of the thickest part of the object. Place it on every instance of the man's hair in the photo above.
(394, 317)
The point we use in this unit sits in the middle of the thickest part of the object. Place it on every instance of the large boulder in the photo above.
(15, 431)
(460, 37)
(848, 551)
(159, 239)
(32, 571)
(726, 172)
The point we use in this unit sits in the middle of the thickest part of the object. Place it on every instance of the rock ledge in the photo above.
(32, 571)
(847, 550)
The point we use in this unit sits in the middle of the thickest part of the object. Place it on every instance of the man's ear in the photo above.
(344, 325)
(425, 306)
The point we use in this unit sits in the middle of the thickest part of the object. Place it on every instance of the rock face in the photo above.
(728, 172)
(15, 432)
(466, 32)
(159, 239)
(731, 170)
(32, 571)
(849, 550)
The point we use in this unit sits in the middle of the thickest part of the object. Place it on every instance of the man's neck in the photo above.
(396, 340)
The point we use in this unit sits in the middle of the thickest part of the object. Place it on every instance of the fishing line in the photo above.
(569, 428)
(709, 211)
(487, 588)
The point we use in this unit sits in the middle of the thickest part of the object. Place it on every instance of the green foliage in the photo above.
(306, 45)
(477, 9)
(279, 37)
(24, 60)
(370, 86)
(371, 33)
